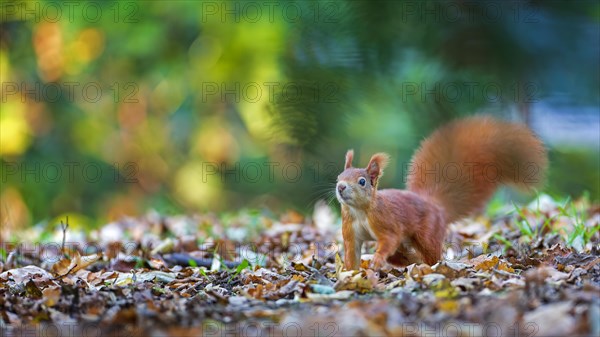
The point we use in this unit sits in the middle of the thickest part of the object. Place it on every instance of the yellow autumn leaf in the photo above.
(449, 306)
(485, 263)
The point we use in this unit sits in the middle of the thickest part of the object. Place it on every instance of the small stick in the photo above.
(64, 228)
(67, 273)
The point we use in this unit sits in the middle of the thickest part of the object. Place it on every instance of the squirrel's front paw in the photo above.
(377, 261)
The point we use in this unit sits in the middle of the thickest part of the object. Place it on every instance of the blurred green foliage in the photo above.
(112, 108)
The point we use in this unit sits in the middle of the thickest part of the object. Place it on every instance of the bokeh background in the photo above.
(116, 108)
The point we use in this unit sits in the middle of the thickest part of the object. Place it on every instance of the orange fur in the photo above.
(451, 177)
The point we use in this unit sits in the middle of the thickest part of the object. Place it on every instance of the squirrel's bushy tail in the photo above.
(461, 164)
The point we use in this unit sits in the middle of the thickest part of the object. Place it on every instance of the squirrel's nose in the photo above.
(341, 188)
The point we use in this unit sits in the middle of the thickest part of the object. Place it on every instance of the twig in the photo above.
(64, 228)
(67, 273)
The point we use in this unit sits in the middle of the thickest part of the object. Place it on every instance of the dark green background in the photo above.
(179, 96)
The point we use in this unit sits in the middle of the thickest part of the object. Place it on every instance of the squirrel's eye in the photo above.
(362, 181)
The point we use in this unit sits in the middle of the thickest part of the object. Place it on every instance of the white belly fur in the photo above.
(361, 226)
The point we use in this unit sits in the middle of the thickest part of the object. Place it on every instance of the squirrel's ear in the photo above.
(376, 165)
(349, 156)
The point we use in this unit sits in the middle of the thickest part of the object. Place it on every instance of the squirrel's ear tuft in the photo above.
(349, 157)
(376, 165)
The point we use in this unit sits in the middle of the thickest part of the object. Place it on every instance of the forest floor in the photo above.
(522, 271)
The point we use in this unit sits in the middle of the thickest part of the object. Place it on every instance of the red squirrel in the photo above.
(453, 174)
